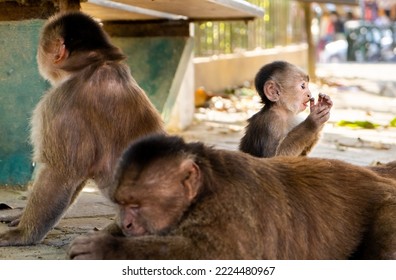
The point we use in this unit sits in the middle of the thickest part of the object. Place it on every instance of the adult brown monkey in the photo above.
(81, 126)
(189, 201)
(275, 130)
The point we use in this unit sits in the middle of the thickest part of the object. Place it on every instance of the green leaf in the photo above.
(358, 124)
(393, 123)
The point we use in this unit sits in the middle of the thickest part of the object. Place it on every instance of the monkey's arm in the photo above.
(101, 245)
(51, 195)
(300, 140)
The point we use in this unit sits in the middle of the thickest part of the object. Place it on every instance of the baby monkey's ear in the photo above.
(271, 91)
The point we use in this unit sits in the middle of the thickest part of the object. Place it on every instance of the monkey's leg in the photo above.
(51, 195)
(103, 182)
(14, 219)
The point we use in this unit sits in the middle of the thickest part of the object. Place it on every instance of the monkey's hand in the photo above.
(318, 116)
(92, 246)
(325, 100)
(113, 229)
(14, 237)
(11, 219)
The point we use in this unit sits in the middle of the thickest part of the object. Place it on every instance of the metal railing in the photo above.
(282, 24)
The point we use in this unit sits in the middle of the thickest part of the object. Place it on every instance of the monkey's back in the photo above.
(263, 133)
(88, 120)
(291, 207)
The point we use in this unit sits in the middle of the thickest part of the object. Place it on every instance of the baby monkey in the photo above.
(274, 130)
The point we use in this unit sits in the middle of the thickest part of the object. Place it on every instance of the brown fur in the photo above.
(189, 201)
(81, 126)
(387, 170)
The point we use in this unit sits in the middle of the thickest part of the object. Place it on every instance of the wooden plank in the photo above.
(161, 28)
(311, 45)
(193, 10)
(343, 2)
(136, 10)
(109, 14)
(69, 5)
(12, 11)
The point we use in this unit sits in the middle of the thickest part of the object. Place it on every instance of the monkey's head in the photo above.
(285, 84)
(157, 180)
(66, 35)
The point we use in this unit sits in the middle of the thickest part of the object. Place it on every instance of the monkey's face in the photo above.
(296, 94)
(151, 202)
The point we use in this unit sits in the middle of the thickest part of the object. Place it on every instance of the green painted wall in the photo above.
(153, 63)
(20, 89)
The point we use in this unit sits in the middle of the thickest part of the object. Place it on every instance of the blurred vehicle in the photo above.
(365, 42)
(335, 51)
(370, 42)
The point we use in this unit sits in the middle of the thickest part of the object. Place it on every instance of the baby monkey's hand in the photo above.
(319, 112)
(324, 100)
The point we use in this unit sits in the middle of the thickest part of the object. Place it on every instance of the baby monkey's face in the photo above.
(296, 94)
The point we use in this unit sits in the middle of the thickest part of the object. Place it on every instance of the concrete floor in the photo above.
(358, 93)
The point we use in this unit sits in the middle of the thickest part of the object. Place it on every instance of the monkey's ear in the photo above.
(271, 90)
(192, 176)
(61, 52)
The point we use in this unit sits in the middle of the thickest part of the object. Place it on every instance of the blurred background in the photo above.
(361, 30)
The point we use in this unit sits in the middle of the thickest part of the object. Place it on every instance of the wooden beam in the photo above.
(154, 28)
(15, 10)
(138, 10)
(242, 6)
(192, 10)
(311, 45)
(343, 2)
(69, 5)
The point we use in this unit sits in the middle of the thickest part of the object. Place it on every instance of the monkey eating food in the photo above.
(275, 129)
(180, 200)
(82, 124)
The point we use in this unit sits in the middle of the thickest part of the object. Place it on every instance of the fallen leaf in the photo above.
(393, 123)
(358, 124)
